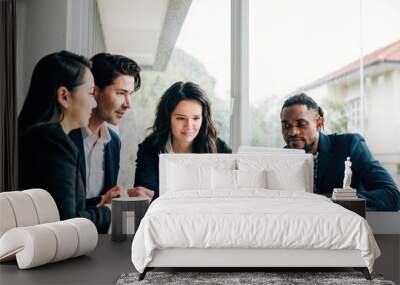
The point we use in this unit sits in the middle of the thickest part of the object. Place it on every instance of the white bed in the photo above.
(245, 210)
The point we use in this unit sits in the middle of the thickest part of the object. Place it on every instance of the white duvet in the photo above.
(252, 218)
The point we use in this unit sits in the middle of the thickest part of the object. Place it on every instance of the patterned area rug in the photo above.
(270, 278)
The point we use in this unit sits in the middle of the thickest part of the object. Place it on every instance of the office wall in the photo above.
(41, 28)
(46, 26)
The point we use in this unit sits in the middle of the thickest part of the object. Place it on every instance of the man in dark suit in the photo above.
(302, 120)
(116, 78)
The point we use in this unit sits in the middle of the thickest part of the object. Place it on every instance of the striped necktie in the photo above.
(315, 172)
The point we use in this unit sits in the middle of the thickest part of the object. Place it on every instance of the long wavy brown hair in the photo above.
(206, 139)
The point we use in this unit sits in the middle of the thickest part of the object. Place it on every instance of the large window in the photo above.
(293, 46)
(315, 47)
(381, 45)
(202, 55)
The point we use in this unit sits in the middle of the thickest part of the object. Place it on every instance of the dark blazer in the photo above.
(370, 179)
(147, 161)
(111, 159)
(48, 159)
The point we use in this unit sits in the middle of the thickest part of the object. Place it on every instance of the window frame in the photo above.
(240, 131)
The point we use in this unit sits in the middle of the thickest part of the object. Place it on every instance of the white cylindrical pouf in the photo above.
(7, 217)
(87, 235)
(46, 208)
(34, 246)
(23, 207)
(67, 239)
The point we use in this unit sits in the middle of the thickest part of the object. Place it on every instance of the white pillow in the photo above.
(251, 178)
(224, 179)
(282, 173)
(293, 180)
(184, 177)
(227, 179)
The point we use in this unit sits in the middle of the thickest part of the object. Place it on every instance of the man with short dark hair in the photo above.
(116, 78)
(302, 120)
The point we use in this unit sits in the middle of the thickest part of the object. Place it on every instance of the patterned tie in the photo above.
(315, 172)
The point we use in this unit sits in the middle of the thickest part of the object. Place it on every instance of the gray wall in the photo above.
(41, 28)
(46, 26)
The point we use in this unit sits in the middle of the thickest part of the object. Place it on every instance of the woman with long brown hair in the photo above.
(183, 124)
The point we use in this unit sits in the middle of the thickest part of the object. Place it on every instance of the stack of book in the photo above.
(344, 194)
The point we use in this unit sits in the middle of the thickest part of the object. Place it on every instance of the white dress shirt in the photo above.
(94, 159)
(168, 145)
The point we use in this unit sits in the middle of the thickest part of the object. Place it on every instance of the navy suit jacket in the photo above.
(50, 160)
(111, 160)
(147, 171)
(370, 179)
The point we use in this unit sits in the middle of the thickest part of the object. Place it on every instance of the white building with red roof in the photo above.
(381, 126)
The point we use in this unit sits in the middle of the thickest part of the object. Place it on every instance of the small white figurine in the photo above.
(347, 174)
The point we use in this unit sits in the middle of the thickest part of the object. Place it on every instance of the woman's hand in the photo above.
(141, 192)
(113, 192)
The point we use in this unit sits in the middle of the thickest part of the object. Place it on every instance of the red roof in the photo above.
(389, 53)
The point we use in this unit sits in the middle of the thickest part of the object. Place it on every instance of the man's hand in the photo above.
(141, 192)
(110, 194)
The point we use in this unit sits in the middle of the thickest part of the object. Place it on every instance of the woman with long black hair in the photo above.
(60, 98)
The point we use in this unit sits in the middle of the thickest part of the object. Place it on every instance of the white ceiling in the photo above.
(133, 27)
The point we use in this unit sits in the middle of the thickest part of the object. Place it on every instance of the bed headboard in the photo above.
(262, 149)
(283, 171)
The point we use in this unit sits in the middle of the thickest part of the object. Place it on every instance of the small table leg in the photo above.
(140, 211)
(116, 216)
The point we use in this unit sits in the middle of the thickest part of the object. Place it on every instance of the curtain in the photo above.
(8, 97)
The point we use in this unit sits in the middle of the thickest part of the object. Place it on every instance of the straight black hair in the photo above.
(53, 71)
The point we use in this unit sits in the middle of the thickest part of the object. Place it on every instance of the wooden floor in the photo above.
(110, 259)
